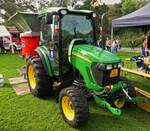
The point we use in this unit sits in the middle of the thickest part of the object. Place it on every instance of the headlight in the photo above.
(104, 66)
(100, 66)
(94, 15)
(119, 65)
(109, 67)
(63, 12)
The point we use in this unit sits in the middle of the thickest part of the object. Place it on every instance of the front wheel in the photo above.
(119, 101)
(73, 106)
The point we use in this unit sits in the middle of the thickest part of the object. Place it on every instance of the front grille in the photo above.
(102, 77)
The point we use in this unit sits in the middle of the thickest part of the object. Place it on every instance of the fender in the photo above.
(44, 55)
(71, 47)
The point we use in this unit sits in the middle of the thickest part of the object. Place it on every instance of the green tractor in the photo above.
(69, 63)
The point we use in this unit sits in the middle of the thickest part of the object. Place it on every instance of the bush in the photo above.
(128, 34)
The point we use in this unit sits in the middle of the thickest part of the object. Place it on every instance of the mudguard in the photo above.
(44, 55)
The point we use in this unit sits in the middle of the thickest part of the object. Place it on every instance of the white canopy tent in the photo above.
(4, 31)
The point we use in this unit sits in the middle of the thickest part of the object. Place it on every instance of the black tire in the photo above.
(78, 104)
(119, 100)
(84, 90)
(43, 83)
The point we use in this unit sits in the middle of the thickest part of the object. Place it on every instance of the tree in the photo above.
(12, 6)
(62, 3)
(114, 11)
(129, 6)
(99, 10)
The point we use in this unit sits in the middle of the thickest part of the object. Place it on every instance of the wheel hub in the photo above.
(31, 76)
(68, 108)
(119, 103)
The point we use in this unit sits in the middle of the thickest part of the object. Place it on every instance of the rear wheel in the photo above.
(39, 83)
(73, 106)
(119, 101)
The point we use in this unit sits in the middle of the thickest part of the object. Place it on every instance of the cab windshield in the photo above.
(76, 26)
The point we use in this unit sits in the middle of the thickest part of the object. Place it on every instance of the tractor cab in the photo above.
(61, 27)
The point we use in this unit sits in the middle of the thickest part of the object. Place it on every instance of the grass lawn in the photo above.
(28, 113)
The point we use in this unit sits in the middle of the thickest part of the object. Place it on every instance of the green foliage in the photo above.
(114, 11)
(128, 34)
(12, 6)
(62, 3)
(99, 10)
(129, 6)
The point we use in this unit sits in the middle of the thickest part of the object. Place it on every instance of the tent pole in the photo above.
(112, 32)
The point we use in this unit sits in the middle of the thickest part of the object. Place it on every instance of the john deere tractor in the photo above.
(69, 63)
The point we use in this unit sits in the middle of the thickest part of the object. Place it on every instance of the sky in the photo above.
(111, 1)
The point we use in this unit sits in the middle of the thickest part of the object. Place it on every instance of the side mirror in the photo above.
(49, 18)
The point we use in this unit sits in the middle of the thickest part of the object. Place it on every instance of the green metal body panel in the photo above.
(82, 58)
(103, 103)
(96, 54)
(44, 55)
(118, 86)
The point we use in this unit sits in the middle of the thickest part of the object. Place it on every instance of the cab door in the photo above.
(50, 38)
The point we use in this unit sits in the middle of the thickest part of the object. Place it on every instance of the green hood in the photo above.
(95, 54)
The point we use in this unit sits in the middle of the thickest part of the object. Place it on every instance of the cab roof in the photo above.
(57, 9)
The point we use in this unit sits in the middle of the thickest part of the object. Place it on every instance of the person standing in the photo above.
(119, 43)
(144, 45)
(1, 45)
(132, 45)
(108, 44)
(114, 46)
(100, 43)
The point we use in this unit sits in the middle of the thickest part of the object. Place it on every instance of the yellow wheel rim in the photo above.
(68, 108)
(31, 77)
(119, 103)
